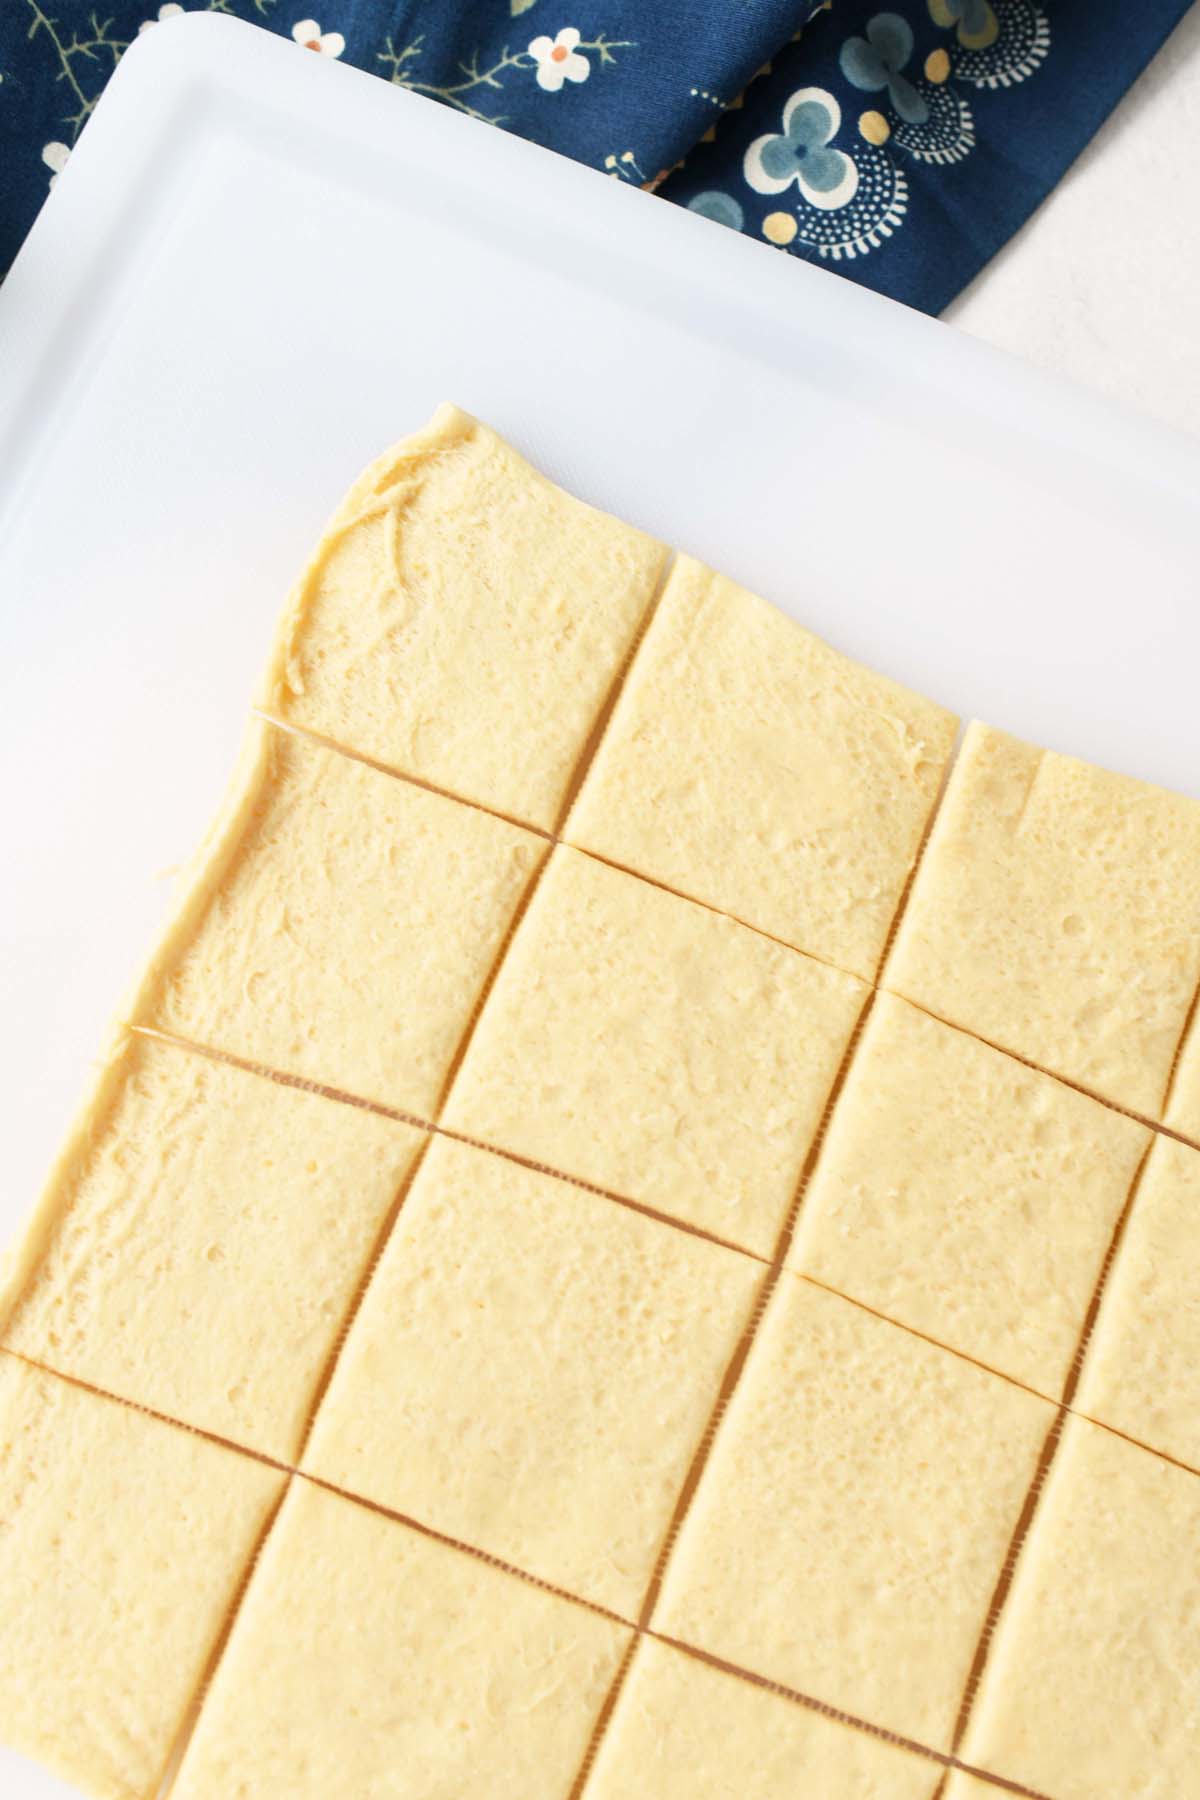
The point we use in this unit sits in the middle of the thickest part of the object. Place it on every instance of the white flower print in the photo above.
(55, 158)
(559, 60)
(171, 10)
(309, 36)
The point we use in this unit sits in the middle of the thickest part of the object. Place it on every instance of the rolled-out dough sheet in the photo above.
(644, 1043)
(752, 766)
(202, 1240)
(344, 927)
(661, 1007)
(462, 619)
(1142, 1372)
(683, 1730)
(1092, 1689)
(122, 1544)
(532, 1369)
(853, 1517)
(983, 1219)
(369, 1660)
(1057, 913)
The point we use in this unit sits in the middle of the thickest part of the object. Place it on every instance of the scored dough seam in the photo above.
(926, 1337)
(359, 1294)
(424, 1529)
(147, 1412)
(1025, 1528)
(555, 836)
(601, 1723)
(840, 1717)
(187, 1724)
(1189, 1024)
(437, 1129)
(1126, 1112)
(551, 837)
(745, 1343)
(600, 724)
(719, 912)
(188, 906)
(350, 1495)
(308, 736)
(725, 1392)
(1021, 1533)
(935, 810)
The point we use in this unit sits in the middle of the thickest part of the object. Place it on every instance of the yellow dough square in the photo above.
(753, 767)
(648, 1045)
(463, 620)
(202, 1240)
(370, 1660)
(532, 1371)
(122, 1544)
(683, 1730)
(346, 929)
(966, 1195)
(1057, 913)
(1092, 1689)
(853, 1518)
(1142, 1372)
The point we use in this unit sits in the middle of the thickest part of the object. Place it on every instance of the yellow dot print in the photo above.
(937, 66)
(874, 127)
(779, 228)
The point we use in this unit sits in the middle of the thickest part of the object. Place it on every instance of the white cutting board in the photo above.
(260, 267)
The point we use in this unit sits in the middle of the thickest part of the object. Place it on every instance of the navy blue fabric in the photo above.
(899, 143)
(965, 157)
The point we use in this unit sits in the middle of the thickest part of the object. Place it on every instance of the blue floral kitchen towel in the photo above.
(899, 143)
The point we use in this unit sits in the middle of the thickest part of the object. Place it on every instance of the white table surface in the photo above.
(1101, 284)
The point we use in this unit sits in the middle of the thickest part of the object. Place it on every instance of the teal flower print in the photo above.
(723, 208)
(804, 150)
(803, 153)
(877, 61)
(973, 15)
(975, 21)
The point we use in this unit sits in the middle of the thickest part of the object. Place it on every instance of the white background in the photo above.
(1102, 283)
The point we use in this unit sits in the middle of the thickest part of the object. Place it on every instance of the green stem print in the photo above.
(81, 61)
(85, 63)
(476, 81)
